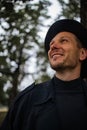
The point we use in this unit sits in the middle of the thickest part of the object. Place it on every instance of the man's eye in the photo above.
(63, 40)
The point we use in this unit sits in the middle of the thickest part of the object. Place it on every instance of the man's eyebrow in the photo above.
(64, 37)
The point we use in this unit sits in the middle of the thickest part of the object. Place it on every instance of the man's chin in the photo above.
(58, 67)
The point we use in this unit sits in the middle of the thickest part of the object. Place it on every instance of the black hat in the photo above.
(74, 27)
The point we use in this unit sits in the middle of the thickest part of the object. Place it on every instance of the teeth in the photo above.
(56, 55)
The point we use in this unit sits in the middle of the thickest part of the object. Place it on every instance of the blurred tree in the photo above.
(83, 12)
(74, 9)
(20, 22)
(83, 15)
(70, 9)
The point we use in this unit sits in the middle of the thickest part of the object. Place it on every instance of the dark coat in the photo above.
(35, 109)
(27, 106)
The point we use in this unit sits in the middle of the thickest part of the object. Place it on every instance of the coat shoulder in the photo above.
(32, 91)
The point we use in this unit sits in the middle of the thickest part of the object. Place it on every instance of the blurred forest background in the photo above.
(22, 27)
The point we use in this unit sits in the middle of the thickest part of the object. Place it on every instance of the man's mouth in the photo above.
(57, 55)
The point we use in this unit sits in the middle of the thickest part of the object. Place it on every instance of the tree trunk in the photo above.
(83, 15)
(83, 12)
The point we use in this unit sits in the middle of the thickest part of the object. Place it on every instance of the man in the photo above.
(60, 103)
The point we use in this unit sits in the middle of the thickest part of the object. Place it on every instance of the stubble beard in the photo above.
(63, 67)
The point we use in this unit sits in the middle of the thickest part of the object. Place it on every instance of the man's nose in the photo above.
(54, 45)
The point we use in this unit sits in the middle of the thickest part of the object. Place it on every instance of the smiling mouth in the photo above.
(56, 55)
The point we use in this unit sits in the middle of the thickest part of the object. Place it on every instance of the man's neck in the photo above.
(68, 75)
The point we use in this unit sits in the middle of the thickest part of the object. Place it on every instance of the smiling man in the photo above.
(65, 55)
(61, 102)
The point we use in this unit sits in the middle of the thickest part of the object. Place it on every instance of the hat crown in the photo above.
(67, 25)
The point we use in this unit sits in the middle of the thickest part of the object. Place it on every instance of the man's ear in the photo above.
(83, 54)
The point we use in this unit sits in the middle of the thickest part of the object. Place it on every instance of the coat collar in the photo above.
(44, 92)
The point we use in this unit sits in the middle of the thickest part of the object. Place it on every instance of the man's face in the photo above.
(64, 52)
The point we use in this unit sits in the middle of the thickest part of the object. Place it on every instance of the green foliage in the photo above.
(70, 9)
(20, 23)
